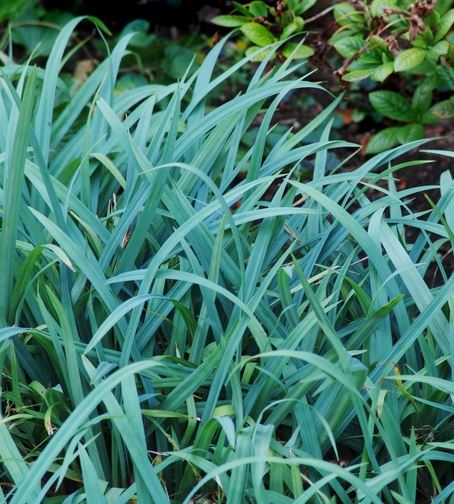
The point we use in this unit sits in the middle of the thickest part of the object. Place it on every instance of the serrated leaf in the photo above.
(297, 51)
(258, 34)
(230, 21)
(408, 59)
(392, 105)
(382, 72)
(347, 47)
(445, 25)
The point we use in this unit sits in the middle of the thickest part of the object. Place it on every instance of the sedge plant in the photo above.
(186, 319)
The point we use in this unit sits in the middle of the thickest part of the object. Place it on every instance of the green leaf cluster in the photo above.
(409, 40)
(379, 38)
(263, 25)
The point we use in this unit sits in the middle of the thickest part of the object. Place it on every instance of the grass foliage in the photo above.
(174, 332)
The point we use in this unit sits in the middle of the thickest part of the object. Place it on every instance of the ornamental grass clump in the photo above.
(185, 319)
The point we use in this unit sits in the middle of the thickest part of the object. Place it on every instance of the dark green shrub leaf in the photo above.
(132, 80)
(443, 109)
(429, 118)
(138, 25)
(347, 47)
(340, 34)
(384, 140)
(420, 42)
(141, 29)
(422, 97)
(258, 34)
(370, 59)
(392, 105)
(395, 135)
(446, 74)
(425, 39)
(35, 38)
(406, 60)
(230, 21)
(177, 60)
(410, 132)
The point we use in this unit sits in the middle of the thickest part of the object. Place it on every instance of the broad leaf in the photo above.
(378, 7)
(422, 97)
(258, 8)
(445, 25)
(408, 59)
(384, 140)
(230, 21)
(302, 6)
(443, 109)
(410, 133)
(382, 72)
(257, 53)
(347, 47)
(395, 135)
(345, 14)
(357, 75)
(440, 49)
(297, 51)
(392, 105)
(258, 34)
